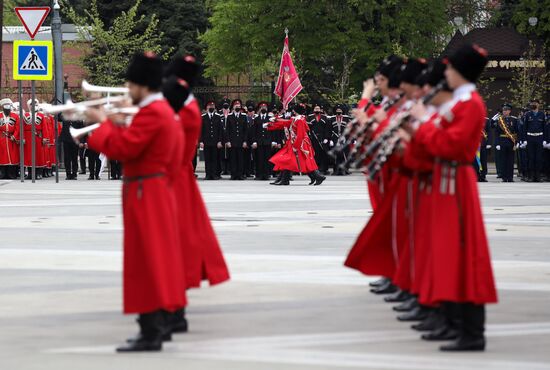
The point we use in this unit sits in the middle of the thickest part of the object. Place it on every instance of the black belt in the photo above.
(139, 180)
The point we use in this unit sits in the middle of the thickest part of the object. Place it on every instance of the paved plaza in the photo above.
(290, 304)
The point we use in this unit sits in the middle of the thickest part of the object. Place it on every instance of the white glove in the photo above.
(265, 125)
(331, 143)
(524, 145)
(497, 147)
(325, 141)
(517, 145)
(272, 119)
(487, 147)
(544, 144)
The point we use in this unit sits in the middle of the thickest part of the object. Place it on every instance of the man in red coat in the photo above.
(297, 155)
(9, 139)
(459, 267)
(38, 138)
(153, 274)
(202, 254)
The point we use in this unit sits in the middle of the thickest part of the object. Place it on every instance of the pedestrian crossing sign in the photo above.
(33, 60)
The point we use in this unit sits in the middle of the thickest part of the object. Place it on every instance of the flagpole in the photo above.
(283, 86)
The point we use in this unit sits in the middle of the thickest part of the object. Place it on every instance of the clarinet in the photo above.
(361, 135)
(388, 137)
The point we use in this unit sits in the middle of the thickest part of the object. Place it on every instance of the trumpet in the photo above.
(89, 88)
(77, 133)
(79, 107)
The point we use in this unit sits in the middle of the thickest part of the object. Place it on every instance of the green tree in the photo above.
(108, 49)
(336, 44)
(516, 14)
(529, 81)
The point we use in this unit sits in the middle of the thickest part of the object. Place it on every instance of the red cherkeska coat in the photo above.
(377, 249)
(9, 137)
(39, 148)
(154, 275)
(201, 250)
(459, 267)
(297, 155)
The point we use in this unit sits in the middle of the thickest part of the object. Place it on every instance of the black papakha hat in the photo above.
(412, 69)
(184, 67)
(469, 61)
(436, 73)
(388, 64)
(145, 69)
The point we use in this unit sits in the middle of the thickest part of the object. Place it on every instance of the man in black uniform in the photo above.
(338, 124)
(249, 167)
(223, 154)
(506, 129)
(211, 140)
(94, 163)
(485, 145)
(319, 136)
(262, 143)
(70, 148)
(235, 139)
(534, 125)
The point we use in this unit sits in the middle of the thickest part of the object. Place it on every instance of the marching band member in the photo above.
(154, 273)
(506, 129)
(39, 140)
(9, 140)
(201, 251)
(459, 268)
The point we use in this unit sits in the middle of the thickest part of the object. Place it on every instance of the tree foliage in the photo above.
(108, 49)
(336, 44)
(529, 82)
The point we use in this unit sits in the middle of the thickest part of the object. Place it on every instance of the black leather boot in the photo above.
(318, 178)
(278, 179)
(406, 306)
(177, 322)
(387, 288)
(285, 179)
(418, 313)
(378, 282)
(472, 328)
(434, 320)
(151, 332)
(399, 296)
(312, 178)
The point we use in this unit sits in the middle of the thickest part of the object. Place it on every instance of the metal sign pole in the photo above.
(33, 122)
(21, 133)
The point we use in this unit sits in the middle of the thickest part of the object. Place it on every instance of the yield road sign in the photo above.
(32, 18)
(32, 60)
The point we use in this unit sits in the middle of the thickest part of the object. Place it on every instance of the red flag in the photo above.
(288, 83)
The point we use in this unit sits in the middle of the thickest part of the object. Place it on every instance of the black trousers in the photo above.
(194, 161)
(211, 161)
(320, 156)
(261, 159)
(237, 162)
(94, 163)
(115, 169)
(70, 156)
(82, 157)
(506, 159)
(223, 161)
(523, 166)
(483, 160)
(534, 155)
(247, 162)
